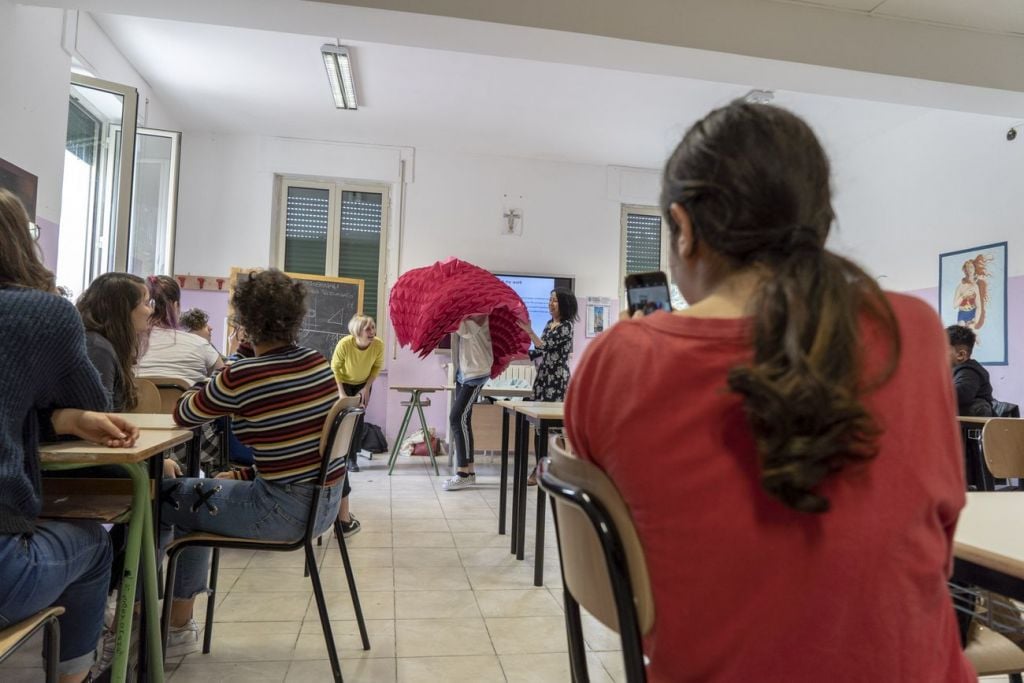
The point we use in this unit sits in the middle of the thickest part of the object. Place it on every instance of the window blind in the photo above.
(643, 243)
(359, 243)
(305, 230)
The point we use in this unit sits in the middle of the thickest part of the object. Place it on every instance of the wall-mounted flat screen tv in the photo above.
(534, 291)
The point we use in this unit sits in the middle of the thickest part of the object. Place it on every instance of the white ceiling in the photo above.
(237, 80)
(997, 16)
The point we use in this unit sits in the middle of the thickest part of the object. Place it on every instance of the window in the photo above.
(97, 185)
(335, 229)
(154, 202)
(645, 247)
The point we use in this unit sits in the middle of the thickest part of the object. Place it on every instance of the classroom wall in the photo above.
(34, 104)
(36, 45)
(453, 207)
(943, 182)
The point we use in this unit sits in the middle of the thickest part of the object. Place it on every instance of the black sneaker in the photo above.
(351, 527)
(353, 465)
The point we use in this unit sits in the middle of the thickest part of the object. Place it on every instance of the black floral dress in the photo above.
(553, 374)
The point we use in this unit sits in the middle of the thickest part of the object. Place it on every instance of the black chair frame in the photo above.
(618, 572)
(306, 542)
(51, 646)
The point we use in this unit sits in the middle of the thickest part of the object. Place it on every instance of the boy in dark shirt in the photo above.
(973, 389)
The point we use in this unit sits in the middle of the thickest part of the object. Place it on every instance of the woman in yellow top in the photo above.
(358, 359)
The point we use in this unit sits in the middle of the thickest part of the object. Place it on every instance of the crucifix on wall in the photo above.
(511, 216)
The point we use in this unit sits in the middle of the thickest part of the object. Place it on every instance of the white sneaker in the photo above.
(455, 482)
(183, 640)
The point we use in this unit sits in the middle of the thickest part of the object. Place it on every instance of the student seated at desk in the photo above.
(786, 445)
(115, 310)
(48, 387)
(278, 402)
(973, 387)
(170, 351)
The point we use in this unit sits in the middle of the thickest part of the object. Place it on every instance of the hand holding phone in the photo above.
(648, 292)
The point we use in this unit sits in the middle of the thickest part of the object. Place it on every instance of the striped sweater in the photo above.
(278, 403)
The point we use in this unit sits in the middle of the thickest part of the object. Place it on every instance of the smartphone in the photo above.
(648, 292)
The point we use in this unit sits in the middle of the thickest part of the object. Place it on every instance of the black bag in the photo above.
(1004, 409)
(373, 439)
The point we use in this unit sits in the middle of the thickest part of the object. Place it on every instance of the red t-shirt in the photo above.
(745, 588)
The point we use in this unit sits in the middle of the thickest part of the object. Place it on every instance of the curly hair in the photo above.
(194, 319)
(270, 306)
(961, 335)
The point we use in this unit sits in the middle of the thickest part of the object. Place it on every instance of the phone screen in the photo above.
(649, 299)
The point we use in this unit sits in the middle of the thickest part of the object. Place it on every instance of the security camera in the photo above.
(1011, 134)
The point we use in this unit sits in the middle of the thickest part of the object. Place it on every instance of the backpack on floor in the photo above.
(373, 439)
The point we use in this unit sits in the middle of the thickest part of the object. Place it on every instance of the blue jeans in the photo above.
(61, 563)
(257, 509)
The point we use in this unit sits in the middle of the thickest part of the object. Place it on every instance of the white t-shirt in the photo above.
(176, 353)
(475, 353)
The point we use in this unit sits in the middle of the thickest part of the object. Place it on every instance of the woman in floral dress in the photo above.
(554, 348)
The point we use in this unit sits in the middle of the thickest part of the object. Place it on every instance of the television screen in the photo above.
(535, 291)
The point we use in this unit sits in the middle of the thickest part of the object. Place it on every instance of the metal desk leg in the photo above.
(503, 486)
(140, 540)
(517, 455)
(524, 473)
(538, 553)
(398, 440)
(426, 436)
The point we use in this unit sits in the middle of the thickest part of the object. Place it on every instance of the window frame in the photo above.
(642, 210)
(335, 187)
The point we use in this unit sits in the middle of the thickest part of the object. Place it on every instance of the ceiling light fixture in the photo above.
(338, 62)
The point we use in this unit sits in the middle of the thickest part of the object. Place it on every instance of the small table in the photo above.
(542, 416)
(65, 455)
(988, 548)
(415, 403)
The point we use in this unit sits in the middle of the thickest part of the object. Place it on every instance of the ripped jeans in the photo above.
(257, 509)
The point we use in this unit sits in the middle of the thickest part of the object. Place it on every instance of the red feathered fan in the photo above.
(428, 304)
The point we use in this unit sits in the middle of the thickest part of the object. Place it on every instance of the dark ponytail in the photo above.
(754, 181)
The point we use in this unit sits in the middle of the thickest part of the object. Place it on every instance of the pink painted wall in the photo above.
(1007, 380)
(48, 238)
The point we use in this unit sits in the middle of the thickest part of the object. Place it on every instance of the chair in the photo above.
(16, 635)
(1002, 442)
(171, 389)
(592, 522)
(990, 652)
(339, 428)
(149, 400)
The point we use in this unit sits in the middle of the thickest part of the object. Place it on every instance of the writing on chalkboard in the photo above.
(331, 302)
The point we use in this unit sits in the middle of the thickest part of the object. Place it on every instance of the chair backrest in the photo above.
(1002, 440)
(148, 397)
(171, 389)
(594, 522)
(335, 439)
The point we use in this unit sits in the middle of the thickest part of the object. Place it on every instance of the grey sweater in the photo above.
(43, 366)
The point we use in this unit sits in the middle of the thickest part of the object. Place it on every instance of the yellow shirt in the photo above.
(353, 365)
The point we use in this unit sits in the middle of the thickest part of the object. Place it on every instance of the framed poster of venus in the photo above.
(972, 293)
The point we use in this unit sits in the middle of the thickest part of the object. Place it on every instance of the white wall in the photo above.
(34, 98)
(944, 182)
(454, 205)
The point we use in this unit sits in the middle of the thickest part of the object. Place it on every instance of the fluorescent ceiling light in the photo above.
(339, 73)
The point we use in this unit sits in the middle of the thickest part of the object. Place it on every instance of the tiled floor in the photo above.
(442, 597)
